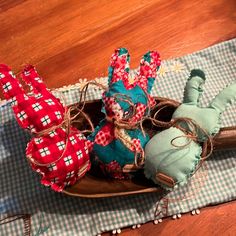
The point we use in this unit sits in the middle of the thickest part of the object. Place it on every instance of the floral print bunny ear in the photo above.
(147, 72)
(128, 90)
(119, 69)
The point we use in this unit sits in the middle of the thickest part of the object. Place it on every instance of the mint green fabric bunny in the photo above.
(172, 156)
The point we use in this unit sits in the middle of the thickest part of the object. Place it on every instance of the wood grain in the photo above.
(74, 39)
(68, 40)
(212, 221)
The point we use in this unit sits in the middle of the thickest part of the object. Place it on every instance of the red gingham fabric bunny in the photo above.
(58, 153)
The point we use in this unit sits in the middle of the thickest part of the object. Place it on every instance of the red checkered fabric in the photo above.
(140, 112)
(60, 158)
(113, 109)
(105, 135)
(119, 71)
(147, 69)
(136, 145)
(113, 170)
(120, 66)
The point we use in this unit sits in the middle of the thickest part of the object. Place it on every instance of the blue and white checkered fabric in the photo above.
(58, 214)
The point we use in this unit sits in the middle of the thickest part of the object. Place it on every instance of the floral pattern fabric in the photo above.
(126, 100)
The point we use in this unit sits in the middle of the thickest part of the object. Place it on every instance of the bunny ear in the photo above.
(147, 73)
(10, 85)
(193, 89)
(31, 77)
(119, 66)
(226, 97)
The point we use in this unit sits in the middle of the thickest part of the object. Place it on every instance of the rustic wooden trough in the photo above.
(96, 185)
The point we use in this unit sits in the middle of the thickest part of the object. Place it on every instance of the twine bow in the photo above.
(190, 133)
(119, 132)
(120, 125)
(66, 124)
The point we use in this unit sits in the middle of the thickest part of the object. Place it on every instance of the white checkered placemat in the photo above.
(57, 214)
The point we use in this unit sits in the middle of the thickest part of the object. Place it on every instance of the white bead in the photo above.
(193, 212)
(160, 220)
(99, 235)
(174, 217)
(134, 227)
(138, 225)
(179, 215)
(197, 211)
(118, 231)
(114, 231)
(155, 222)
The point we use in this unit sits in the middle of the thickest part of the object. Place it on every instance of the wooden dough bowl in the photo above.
(96, 185)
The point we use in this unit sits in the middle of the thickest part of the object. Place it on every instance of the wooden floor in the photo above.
(214, 220)
(67, 40)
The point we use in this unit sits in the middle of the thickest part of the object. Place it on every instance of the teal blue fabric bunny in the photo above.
(118, 139)
(172, 156)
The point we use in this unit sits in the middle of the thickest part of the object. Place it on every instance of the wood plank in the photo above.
(50, 28)
(69, 41)
(214, 220)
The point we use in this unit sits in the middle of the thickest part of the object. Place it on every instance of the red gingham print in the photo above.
(147, 70)
(105, 135)
(113, 170)
(40, 111)
(120, 72)
(136, 145)
(140, 112)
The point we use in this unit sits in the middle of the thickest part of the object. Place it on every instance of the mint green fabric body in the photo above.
(162, 156)
(180, 163)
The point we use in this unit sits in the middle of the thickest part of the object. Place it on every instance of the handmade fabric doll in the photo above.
(57, 151)
(174, 154)
(117, 139)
